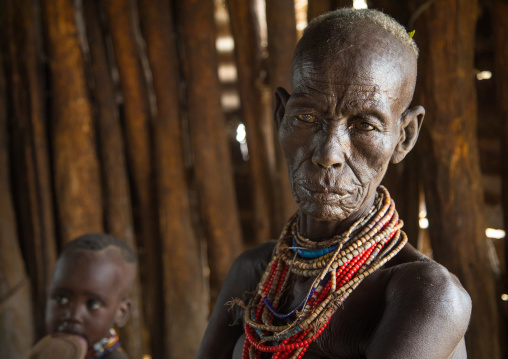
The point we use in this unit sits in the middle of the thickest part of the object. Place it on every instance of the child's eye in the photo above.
(61, 299)
(93, 304)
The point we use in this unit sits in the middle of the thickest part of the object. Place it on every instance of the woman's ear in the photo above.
(122, 312)
(281, 99)
(410, 125)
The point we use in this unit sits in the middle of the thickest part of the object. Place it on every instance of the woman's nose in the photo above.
(329, 150)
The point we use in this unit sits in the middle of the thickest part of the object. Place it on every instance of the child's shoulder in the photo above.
(116, 354)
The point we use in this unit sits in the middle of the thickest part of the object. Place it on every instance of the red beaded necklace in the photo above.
(364, 248)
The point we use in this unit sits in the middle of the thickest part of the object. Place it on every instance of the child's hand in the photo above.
(63, 346)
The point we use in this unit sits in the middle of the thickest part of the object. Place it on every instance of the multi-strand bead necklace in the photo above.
(104, 346)
(338, 266)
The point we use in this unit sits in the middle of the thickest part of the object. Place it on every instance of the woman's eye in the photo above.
(307, 118)
(362, 126)
(61, 299)
(94, 304)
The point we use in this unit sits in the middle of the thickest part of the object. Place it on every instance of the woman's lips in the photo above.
(323, 195)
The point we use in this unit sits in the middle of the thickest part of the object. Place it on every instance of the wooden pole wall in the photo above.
(209, 146)
(500, 27)
(30, 151)
(249, 66)
(120, 19)
(281, 29)
(451, 174)
(185, 291)
(16, 323)
(318, 7)
(118, 219)
(75, 162)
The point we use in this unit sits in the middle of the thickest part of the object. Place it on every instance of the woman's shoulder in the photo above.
(252, 263)
(414, 274)
(425, 304)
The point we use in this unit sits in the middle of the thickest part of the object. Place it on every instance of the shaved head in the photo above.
(359, 41)
(109, 248)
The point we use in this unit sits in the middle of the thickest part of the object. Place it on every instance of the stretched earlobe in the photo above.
(410, 125)
(123, 313)
(281, 98)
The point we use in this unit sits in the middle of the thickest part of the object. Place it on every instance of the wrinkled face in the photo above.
(84, 295)
(341, 125)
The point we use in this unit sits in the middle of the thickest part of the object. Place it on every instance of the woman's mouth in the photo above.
(323, 195)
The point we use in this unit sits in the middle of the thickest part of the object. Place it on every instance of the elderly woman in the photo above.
(341, 281)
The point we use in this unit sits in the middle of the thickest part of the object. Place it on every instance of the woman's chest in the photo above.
(350, 327)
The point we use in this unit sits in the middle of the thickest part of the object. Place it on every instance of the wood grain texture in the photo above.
(76, 167)
(185, 291)
(33, 196)
(118, 218)
(500, 28)
(209, 143)
(249, 65)
(16, 323)
(121, 19)
(281, 29)
(451, 172)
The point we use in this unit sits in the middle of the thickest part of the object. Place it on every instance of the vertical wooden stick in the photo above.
(248, 65)
(76, 167)
(281, 29)
(184, 290)
(33, 194)
(117, 199)
(121, 19)
(445, 33)
(500, 27)
(16, 324)
(212, 160)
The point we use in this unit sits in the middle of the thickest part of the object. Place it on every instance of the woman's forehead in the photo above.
(356, 73)
(365, 54)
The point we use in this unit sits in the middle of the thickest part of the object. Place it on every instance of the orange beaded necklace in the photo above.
(338, 266)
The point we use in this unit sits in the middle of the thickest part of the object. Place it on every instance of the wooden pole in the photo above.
(117, 199)
(248, 65)
(281, 29)
(500, 28)
(398, 9)
(32, 188)
(318, 7)
(445, 32)
(121, 19)
(16, 324)
(209, 144)
(184, 291)
(75, 163)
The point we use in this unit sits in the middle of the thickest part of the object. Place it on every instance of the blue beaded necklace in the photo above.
(312, 254)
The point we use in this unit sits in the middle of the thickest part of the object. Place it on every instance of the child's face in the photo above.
(85, 296)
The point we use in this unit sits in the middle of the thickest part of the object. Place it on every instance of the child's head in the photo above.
(88, 293)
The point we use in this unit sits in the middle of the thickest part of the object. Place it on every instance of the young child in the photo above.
(88, 296)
